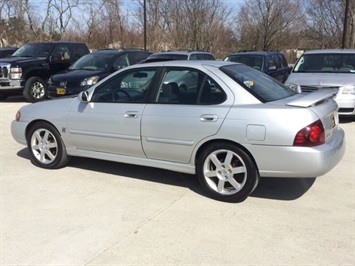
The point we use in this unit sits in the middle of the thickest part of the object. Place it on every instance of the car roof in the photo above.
(331, 51)
(190, 63)
(117, 51)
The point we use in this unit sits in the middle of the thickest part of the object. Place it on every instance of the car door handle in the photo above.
(131, 114)
(208, 118)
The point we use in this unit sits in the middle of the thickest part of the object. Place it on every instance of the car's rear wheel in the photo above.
(35, 89)
(226, 172)
(46, 147)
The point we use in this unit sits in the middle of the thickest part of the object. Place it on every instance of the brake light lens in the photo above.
(311, 135)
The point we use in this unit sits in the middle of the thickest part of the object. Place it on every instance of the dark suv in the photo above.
(7, 51)
(272, 63)
(29, 68)
(179, 55)
(91, 68)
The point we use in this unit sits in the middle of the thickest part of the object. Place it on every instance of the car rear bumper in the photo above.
(300, 161)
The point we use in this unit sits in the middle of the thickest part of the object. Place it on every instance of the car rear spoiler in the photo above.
(314, 98)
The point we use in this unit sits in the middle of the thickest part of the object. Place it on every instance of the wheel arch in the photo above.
(32, 123)
(207, 143)
(40, 73)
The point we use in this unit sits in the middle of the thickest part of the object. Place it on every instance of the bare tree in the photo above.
(186, 24)
(262, 23)
(325, 23)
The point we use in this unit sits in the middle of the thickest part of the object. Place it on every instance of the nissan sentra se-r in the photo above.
(229, 126)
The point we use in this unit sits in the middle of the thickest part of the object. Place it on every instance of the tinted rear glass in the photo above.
(254, 61)
(169, 56)
(262, 86)
(328, 63)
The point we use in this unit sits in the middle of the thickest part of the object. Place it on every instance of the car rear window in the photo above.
(254, 61)
(168, 56)
(262, 86)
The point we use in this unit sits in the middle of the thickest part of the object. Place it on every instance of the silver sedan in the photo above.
(228, 124)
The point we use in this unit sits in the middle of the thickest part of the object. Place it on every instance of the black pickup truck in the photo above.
(29, 68)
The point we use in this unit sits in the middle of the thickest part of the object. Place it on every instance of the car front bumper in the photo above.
(346, 104)
(18, 130)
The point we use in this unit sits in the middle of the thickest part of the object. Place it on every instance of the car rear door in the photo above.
(182, 116)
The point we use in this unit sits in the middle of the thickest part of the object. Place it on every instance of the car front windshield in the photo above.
(94, 61)
(34, 50)
(327, 63)
(254, 61)
(262, 86)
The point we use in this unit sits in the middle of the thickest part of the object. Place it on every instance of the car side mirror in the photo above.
(84, 96)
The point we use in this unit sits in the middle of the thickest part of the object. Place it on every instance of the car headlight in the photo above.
(90, 81)
(350, 89)
(49, 81)
(293, 87)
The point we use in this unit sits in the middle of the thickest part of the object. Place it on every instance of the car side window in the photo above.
(189, 86)
(283, 60)
(138, 56)
(276, 61)
(121, 62)
(204, 57)
(61, 52)
(79, 50)
(125, 87)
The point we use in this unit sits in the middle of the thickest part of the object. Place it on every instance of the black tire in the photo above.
(46, 147)
(3, 96)
(35, 89)
(226, 172)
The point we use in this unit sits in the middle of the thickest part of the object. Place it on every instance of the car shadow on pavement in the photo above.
(268, 188)
(282, 188)
(14, 99)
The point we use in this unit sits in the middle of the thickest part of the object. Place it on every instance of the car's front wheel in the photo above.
(46, 147)
(226, 172)
(35, 89)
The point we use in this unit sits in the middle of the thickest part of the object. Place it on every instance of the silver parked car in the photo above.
(327, 69)
(230, 126)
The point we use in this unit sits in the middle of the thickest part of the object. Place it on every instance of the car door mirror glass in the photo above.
(84, 96)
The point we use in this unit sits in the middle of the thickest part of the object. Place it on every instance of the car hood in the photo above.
(77, 75)
(322, 79)
(20, 60)
(58, 110)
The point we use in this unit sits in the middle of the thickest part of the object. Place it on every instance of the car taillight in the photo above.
(310, 135)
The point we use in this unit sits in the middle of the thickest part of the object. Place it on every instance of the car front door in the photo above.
(182, 115)
(111, 121)
(60, 59)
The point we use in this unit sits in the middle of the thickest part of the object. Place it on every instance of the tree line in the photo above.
(210, 25)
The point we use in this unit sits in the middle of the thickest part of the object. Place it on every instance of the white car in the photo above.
(231, 127)
(327, 69)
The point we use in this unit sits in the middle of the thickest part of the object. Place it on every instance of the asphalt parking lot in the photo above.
(103, 213)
